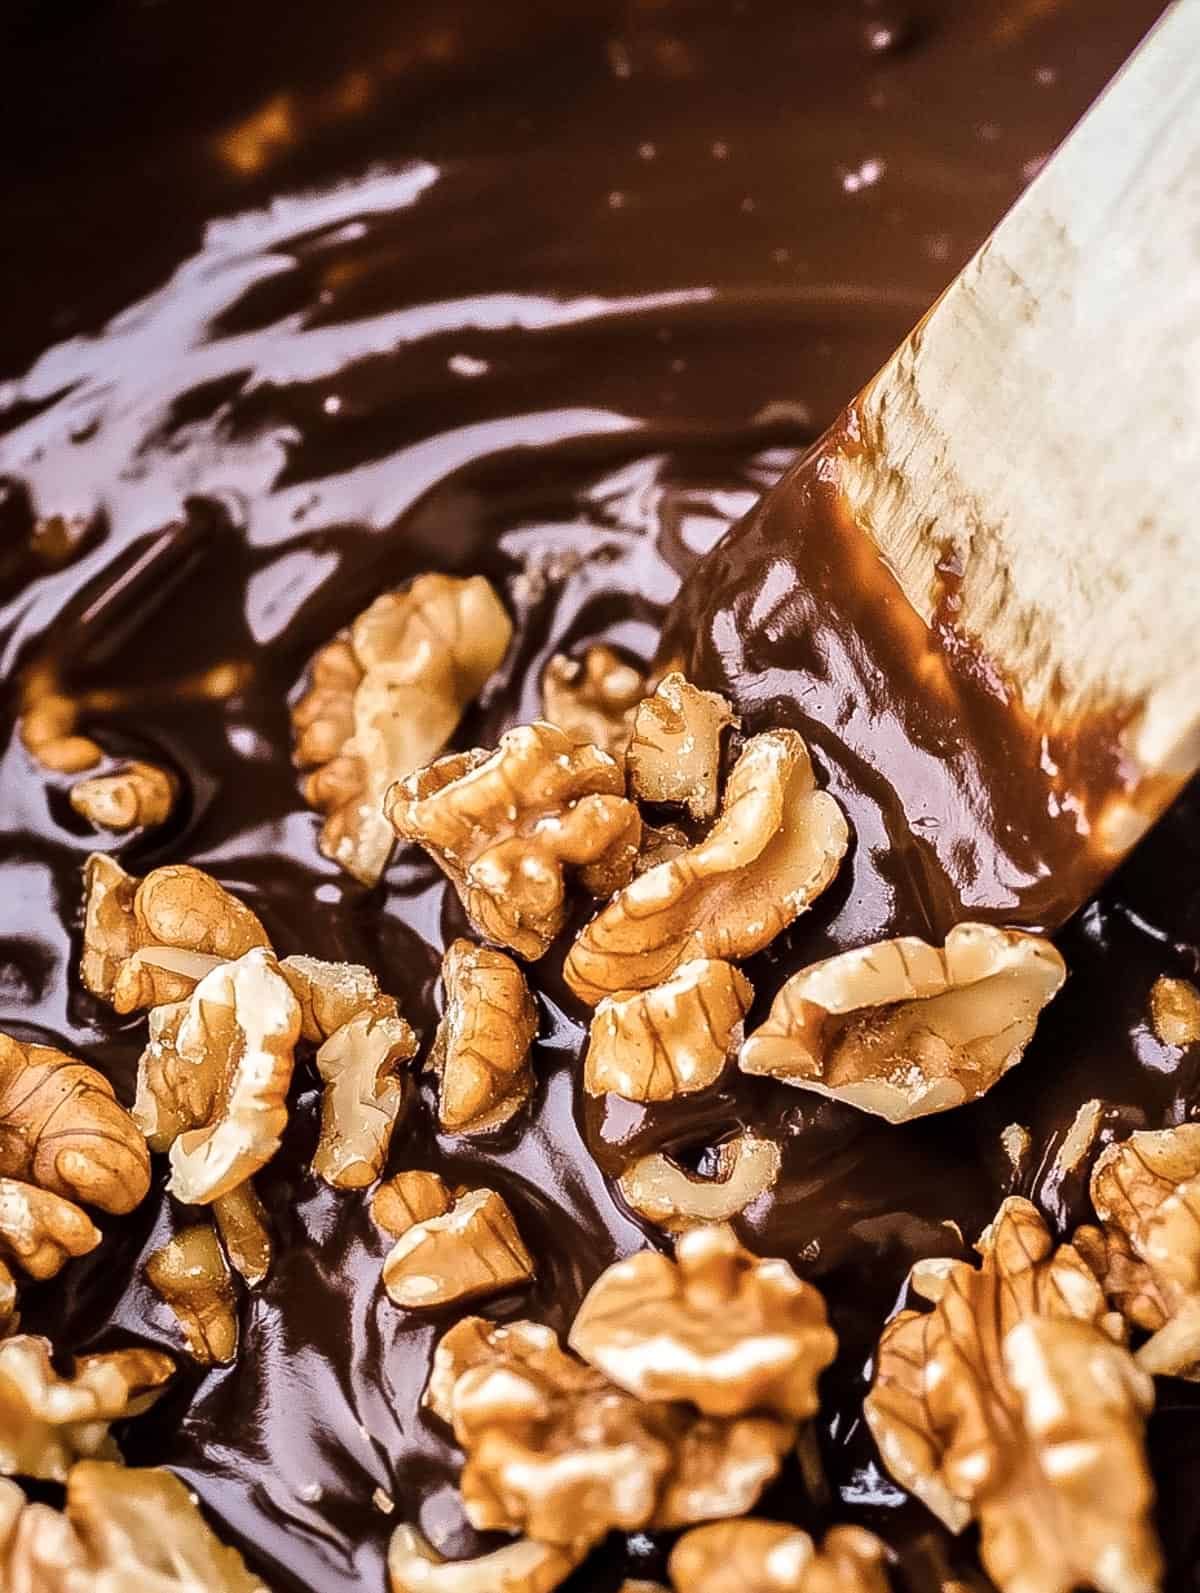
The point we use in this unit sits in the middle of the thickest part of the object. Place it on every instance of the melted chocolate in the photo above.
(304, 301)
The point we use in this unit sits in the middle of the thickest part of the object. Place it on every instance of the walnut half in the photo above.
(902, 1028)
(481, 1049)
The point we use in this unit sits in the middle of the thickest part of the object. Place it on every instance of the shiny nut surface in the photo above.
(481, 1049)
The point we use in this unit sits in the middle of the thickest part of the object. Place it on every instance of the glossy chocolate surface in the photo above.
(301, 301)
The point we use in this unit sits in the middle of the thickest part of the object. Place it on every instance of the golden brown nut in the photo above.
(191, 1274)
(242, 1224)
(594, 698)
(48, 1421)
(408, 1198)
(775, 847)
(652, 1045)
(48, 725)
(213, 1080)
(753, 1556)
(675, 751)
(330, 994)
(364, 1093)
(9, 1320)
(1010, 1403)
(666, 1194)
(148, 942)
(62, 1129)
(903, 1028)
(1175, 1011)
(138, 794)
(41, 1231)
(481, 1049)
(470, 1252)
(554, 1450)
(716, 1326)
(1146, 1192)
(503, 826)
(521, 1567)
(386, 698)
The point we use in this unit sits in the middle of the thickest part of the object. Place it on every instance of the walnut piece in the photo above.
(652, 1045)
(1146, 1192)
(191, 1274)
(213, 1079)
(469, 1252)
(666, 1194)
(148, 942)
(675, 751)
(62, 1128)
(41, 1231)
(503, 827)
(242, 1224)
(902, 1028)
(481, 1049)
(594, 698)
(1175, 1011)
(408, 1198)
(522, 1567)
(773, 850)
(136, 795)
(48, 1421)
(121, 1530)
(716, 1326)
(755, 1556)
(554, 1450)
(364, 1092)
(1010, 1403)
(9, 1320)
(385, 699)
(330, 994)
(48, 725)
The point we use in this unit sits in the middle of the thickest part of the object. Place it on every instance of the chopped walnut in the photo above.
(330, 994)
(47, 1421)
(503, 826)
(49, 722)
(1010, 1403)
(9, 1320)
(594, 698)
(1146, 1192)
(122, 1529)
(471, 1251)
(408, 1198)
(481, 1049)
(191, 1274)
(62, 1128)
(522, 1567)
(385, 699)
(364, 1092)
(213, 1080)
(1175, 1011)
(754, 1556)
(666, 1194)
(242, 1224)
(553, 1449)
(148, 942)
(716, 1326)
(775, 847)
(652, 1045)
(675, 752)
(903, 1028)
(136, 795)
(41, 1231)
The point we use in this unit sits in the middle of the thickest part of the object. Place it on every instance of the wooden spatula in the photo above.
(981, 589)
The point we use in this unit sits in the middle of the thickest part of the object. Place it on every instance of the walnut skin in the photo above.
(41, 1231)
(674, 753)
(62, 1129)
(213, 1080)
(674, 1199)
(753, 1556)
(652, 1045)
(504, 826)
(593, 699)
(148, 942)
(472, 1251)
(1146, 1192)
(136, 795)
(48, 725)
(330, 994)
(242, 1224)
(1010, 1403)
(717, 1326)
(364, 1093)
(481, 1049)
(192, 1276)
(407, 1198)
(9, 1320)
(522, 1567)
(773, 850)
(385, 699)
(902, 1028)
(47, 1421)
(1175, 1011)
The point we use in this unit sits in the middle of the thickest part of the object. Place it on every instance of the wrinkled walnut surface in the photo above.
(675, 751)
(192, 1276)
(523, 1567)
(469, 1252)
(674, 1199)
(593, 699)
(138, 794)
(903, 1028)
(364, 1095)
(481, 1050)
(41, 1231)
(773, 850)
(755, 1556)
